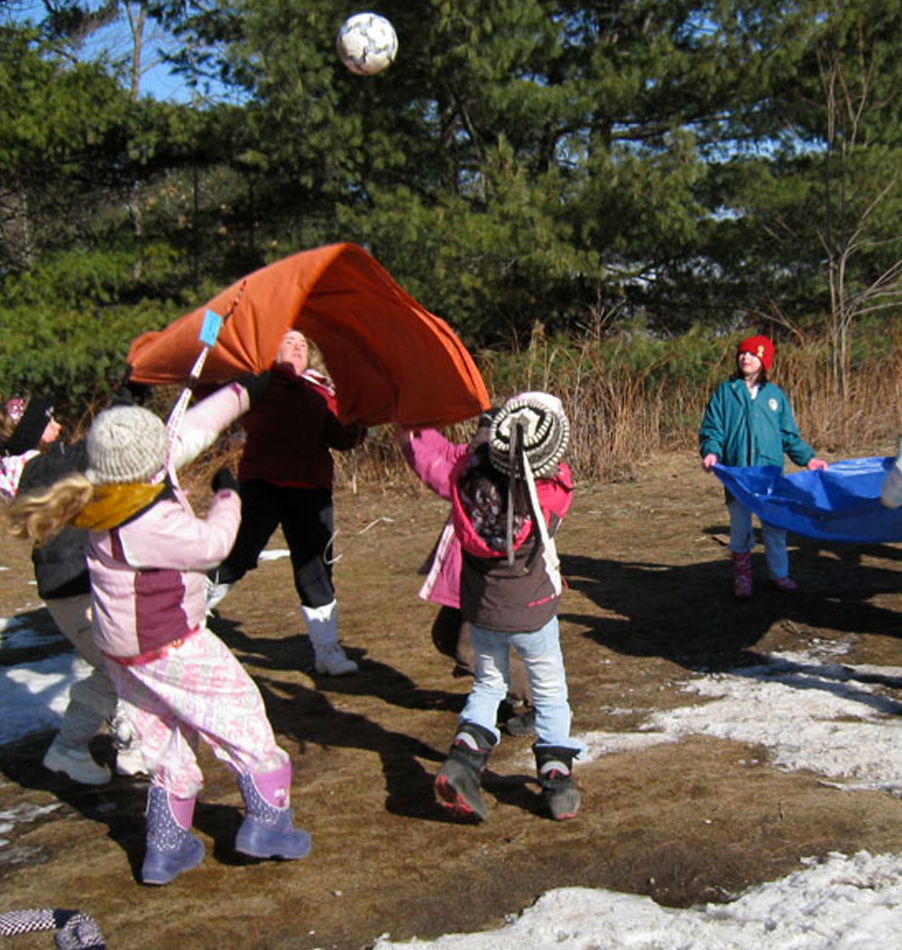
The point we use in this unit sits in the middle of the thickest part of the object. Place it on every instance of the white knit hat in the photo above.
(546, 432)
(126, 444)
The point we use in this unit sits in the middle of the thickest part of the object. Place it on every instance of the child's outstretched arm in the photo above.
(794, 445)
(204, 421)
(431, 456)
(557, 496)
(171, 537)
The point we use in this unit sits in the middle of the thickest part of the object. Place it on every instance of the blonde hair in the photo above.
(41, 514)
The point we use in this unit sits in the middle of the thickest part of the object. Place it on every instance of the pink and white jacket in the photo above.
(147, 574)
(432, 457)
(493, 594)
(11, 468)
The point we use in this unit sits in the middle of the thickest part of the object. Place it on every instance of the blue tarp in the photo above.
(841, 503)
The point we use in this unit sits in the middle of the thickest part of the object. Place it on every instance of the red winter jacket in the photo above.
(290, 430)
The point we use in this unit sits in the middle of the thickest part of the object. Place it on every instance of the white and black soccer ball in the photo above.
(366, 43)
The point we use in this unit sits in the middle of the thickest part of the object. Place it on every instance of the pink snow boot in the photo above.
(786, 584)
(268, 829)
(742, 575)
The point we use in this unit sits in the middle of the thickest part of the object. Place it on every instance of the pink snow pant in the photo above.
(197, 690)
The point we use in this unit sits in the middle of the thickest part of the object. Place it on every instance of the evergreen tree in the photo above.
(523, 164)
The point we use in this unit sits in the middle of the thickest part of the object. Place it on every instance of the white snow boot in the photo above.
(322, 628)
(68, 753)
(129, 755)
(76, 763)
(216, 592)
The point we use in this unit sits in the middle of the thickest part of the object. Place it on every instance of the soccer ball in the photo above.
(366, 43)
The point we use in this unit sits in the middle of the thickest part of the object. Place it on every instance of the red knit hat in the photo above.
(759, 346)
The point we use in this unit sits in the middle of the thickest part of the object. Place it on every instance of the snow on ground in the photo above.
(810, 711)
(845, 903)
(34, 696)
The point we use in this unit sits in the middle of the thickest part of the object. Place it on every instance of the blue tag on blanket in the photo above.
(210, 329)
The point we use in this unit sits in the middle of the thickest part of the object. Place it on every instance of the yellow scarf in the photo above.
(113, 504)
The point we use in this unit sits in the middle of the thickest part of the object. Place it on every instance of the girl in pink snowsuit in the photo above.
(147, 558)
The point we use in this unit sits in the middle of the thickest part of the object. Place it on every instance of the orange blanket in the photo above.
(391, 360)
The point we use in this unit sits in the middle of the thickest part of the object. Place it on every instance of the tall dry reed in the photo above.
(629, 400)
(870, 420)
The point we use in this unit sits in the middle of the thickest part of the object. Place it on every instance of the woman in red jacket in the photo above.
(286, 474)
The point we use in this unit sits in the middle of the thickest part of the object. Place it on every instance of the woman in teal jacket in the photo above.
(748, 421)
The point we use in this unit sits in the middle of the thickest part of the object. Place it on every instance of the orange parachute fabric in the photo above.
(391, 360)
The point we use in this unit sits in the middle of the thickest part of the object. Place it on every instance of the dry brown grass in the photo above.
(623, 416)
(648, 607)
(872, 414)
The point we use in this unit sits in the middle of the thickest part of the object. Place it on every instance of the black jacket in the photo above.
(59, 566)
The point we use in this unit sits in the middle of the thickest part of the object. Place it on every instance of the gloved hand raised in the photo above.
(254, 383)
(224, 480)
(130, 393)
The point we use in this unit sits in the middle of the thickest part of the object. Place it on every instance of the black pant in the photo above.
(305, 515)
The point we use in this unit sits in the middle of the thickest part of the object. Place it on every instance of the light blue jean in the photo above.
(541, 652)
(742, 540)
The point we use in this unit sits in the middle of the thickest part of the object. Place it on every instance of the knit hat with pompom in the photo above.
(545, 432)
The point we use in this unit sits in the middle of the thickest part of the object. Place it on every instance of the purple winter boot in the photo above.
(171, 848)
(268, 829)
(742, 576)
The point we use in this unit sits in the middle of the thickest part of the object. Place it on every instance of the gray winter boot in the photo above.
(553, 764)
(129, 754)
(522, 725)
(458, 780)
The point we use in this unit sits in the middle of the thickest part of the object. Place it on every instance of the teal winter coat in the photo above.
(742, 431)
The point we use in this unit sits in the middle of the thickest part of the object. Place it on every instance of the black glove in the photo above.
(356, 433)
(224, 479)
(130, 393)
(254, 384)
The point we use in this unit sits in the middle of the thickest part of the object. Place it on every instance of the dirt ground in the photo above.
(649, 605)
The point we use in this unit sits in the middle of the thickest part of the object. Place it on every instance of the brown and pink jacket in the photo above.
(494, 595)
